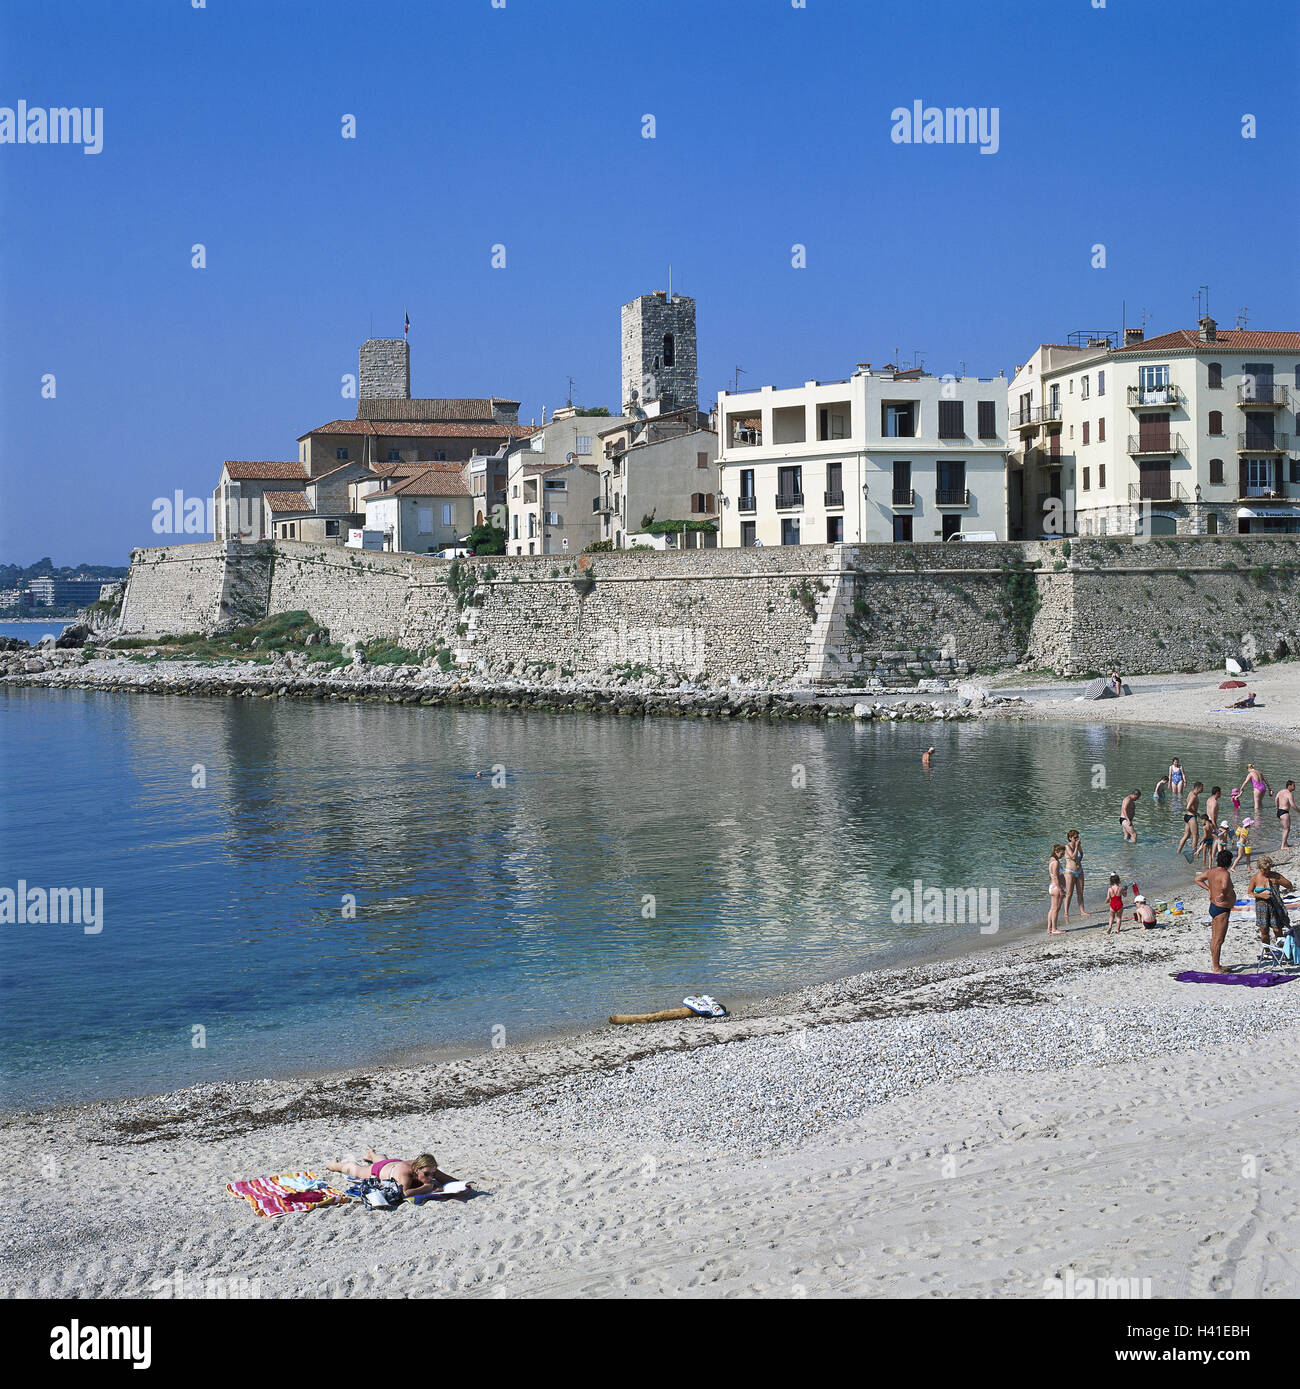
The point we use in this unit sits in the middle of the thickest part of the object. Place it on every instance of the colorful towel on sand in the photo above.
(1254, 981)
(289, 1191)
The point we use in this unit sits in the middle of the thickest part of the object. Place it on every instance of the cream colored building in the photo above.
(428, 512)
(1191, 432)
(552, 486)
(882, 456)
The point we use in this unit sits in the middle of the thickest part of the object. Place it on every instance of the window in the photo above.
(834, 530)
(440, 455)
(952, 423)
(1295, 470)
(1055, 402)
(789, 486)
(582, 444)
(341, 455)
(834, 484)
(701, 460)
(902, 529)
(1101, 383)
(331, 527)
(1153, 384)
(951, 487)
(556, 484)
(790, 530)
(1086, 479)
(1212, 523)
(1101, 475)
(1101, 431)
(670, 350)
(1216, 472)
(514, 527)
(709, 501)
(748, 532)
(1216, 421)
(951, 525)
(988, 419)
(898, 420)
(424, 519)
(1215, 370)
(697, 502)
(446, 513)
(747, 482)
(1085, 432)
(833, 421)
(1085, 388)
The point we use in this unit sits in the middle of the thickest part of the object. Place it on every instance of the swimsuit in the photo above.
(1218, 911)
(377, 1167)
(1116, 903)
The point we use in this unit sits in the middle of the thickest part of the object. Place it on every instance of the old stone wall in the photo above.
(807, 614)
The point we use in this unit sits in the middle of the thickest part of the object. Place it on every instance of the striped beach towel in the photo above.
(285, 1192)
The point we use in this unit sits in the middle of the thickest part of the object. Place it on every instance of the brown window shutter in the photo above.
(1242, 474)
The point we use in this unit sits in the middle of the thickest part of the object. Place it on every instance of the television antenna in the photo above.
(735, 383)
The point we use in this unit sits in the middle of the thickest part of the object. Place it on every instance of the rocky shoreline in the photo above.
(291, 676)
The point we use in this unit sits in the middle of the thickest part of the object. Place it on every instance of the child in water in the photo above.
(1243, 841)
(1115, 901)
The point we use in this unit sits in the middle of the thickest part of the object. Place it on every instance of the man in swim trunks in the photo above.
(925, 758)
(1191, 820)
(1217, 881)
(418, 1177)
(1126, 816)
(1285, 802)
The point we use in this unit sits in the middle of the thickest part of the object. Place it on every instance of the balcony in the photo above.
(1155, 397)
(1263, 443)
(1157, 489)
(749, 503)
(835, 499)
(903, 496)
(605, 504)
(786, 501)
(952, 496)
(1154, 445)
(1263, 492)
(1031, 417)
(1267, 395)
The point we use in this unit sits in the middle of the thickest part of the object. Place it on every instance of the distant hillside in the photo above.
(15, 576)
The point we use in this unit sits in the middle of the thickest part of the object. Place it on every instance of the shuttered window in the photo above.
(1216, 472)
(951, 419)
(988, 419)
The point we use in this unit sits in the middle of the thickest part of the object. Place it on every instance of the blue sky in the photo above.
(523, 126)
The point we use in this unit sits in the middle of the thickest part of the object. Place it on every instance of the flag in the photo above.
(407, 329)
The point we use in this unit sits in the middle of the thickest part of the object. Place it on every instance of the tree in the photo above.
(486, 540)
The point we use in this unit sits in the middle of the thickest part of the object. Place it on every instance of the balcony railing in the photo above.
(744, 503)
(1263, 443)
(1157, 489)
(1277, 492)
(1024, 416)
(1154, 445)
(904, 496)
(602, 504)
(834, 498)
(952, 496)
(786, 500)
(1269, 395)
(1154, 397)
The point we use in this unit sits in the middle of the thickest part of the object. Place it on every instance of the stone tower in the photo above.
(384, 369)
(659, 364)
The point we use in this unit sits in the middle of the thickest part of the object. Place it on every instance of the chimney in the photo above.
(1132, 335)
(1209, 329)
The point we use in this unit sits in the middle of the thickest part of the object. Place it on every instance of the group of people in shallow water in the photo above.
(1221, 846)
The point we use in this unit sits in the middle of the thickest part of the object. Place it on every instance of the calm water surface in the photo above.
(770, 853)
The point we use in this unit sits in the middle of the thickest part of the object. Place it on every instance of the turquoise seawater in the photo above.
(307, 885)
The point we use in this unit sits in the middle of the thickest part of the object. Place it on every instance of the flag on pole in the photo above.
(407, 329)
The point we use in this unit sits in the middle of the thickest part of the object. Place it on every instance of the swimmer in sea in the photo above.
(1126, 816)
(1191, 818)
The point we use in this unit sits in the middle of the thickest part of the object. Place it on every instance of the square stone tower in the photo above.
(384, 369)
(659, 363)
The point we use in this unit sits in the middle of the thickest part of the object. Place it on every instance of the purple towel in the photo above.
(1254, 981)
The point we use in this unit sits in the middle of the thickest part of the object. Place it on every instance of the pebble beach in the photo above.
(980, 1126)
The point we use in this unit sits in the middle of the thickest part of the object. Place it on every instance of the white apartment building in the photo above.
(883, 456)
(1192, 432)
(552, 486)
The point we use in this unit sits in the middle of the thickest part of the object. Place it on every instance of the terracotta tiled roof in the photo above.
(287, 501)
(422, 430)
(434, 408)
(1229, 339)
(410, 469)
(434, 483)
(238, 468)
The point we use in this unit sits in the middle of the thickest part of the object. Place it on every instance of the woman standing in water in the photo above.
(1074, 873)
(1055, 892)
(1255, 780)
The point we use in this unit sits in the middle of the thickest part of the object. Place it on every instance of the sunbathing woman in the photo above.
(416, 1178)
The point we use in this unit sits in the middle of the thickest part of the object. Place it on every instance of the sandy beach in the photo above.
(1000, 1124)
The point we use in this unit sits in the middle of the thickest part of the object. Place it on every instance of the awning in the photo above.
(1248, 511)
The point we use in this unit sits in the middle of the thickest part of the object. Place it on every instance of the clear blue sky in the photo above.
(522, 126)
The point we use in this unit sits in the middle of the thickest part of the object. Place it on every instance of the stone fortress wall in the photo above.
(835, 615)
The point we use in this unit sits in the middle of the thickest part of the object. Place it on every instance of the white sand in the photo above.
(976, 1127)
